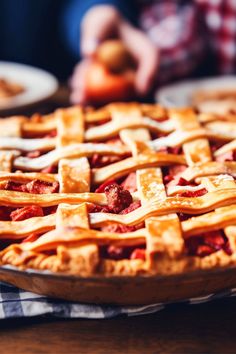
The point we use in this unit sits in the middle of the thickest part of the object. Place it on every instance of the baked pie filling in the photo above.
(127, 189)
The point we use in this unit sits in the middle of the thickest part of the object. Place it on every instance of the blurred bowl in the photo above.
(38, 85)
(185, 93)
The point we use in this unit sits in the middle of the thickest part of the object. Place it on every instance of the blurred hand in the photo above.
(103, 22)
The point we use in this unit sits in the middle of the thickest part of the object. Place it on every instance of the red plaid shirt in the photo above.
(185, 31)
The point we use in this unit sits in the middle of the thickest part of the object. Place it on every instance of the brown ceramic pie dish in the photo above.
(121, 290)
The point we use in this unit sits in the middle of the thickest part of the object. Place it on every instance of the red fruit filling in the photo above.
(130, 183)
(183, 217)
(138, 253)
(119, 201)
(50, 169)
(172, 176)
(33, 154)
(120, 228)
(178, 181)
(168, 179)
(191, 194)
(97, 160)
(26, 213)
(171, 150)
(102, 187)
(133, 206)
(7, 213)
(93, 208)
(215, 145)
(207, 243)
(160, 119)
(15, 186)
(176, 170)
(117, 198)
(33, 187)
(50, 210)
(183, 182)
(37, 187)
(51, 134)
(123, 252)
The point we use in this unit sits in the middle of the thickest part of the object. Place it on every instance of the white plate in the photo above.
(179, 94)
(38, 84)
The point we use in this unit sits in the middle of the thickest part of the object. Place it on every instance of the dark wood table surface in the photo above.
(206, 328)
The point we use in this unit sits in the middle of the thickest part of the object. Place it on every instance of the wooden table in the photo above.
(207, 328)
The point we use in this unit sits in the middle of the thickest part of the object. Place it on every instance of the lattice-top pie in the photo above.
(124, 190)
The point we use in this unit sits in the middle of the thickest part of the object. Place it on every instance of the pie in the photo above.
(128, 189)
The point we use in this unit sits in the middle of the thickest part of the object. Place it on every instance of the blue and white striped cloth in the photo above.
(19, 303)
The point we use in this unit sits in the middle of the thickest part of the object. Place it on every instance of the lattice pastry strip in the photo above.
(70, 126)
(224, 182)
(73, 173)
(164, 260)
(170, 256)
(71, 151)
(166, 230)
(163, 232)
(76, 247)
(66, 257)
(15, 229)
(6, 159)
(11, 127)
(160, 240)
(197, 150)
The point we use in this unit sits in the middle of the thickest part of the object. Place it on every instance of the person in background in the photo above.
(169, 39)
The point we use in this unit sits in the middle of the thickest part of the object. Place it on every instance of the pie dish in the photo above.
(126, 190)
(208, 95)
(20, 79)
